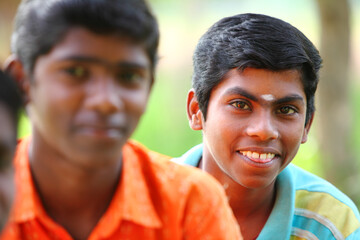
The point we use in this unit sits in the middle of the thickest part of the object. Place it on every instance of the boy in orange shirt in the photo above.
(86, 69)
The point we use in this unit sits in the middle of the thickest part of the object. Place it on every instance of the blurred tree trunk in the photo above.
(334, 119)
(7, 14)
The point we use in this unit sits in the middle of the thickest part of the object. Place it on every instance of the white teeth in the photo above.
(256, 155)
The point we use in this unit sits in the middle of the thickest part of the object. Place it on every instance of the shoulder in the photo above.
(194, 194)
(323, 206)
(170, 172)
(197, 182)
(188, 163)
(308, 182)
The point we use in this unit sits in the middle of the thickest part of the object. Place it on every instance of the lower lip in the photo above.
(258, 162)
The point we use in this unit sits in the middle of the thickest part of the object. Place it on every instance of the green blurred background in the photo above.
(164, 127)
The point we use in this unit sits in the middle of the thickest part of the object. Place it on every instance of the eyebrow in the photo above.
(290, 98)
(242, 92)
(246, 94)
(95, 60)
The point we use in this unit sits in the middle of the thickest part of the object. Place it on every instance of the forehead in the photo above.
(113, 48)
(264, 84)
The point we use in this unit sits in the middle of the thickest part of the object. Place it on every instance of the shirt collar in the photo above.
(279, 223)
(132, 201)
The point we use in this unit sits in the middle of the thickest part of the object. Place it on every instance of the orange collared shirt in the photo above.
(155, 199)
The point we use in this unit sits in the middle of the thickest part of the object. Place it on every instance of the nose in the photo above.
(263, 127)
(104, 96)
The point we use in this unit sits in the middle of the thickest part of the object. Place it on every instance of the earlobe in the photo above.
(307, 129)
(15, 69)
(193, 111)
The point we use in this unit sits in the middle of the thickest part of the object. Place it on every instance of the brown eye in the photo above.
(128, 77)
(131, 77)
(77, 71)
(287, 110)
(241, 105)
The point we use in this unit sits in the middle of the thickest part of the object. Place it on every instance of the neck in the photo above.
(251, 207)
(73, 195)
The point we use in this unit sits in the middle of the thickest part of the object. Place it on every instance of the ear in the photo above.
(15, 69)
(194, 113)
(307, 129)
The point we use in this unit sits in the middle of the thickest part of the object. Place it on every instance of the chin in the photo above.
(256, 182)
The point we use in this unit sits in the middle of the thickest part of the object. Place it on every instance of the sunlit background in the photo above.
(164, 127)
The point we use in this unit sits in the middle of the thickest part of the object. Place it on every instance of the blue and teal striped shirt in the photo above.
(306, 207)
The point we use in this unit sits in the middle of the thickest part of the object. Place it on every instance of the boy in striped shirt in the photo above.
(254, 83)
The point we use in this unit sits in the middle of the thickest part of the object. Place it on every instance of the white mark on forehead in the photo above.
(268, 97)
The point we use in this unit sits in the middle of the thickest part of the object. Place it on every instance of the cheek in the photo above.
(136, 102)
(52, 104)
(293, 139)
(221, 135)
(226, 129)
(221, 129)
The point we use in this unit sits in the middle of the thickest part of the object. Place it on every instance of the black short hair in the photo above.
(257, 41)
(10, 97)
(40, 25)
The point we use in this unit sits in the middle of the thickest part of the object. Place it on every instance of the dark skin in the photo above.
(90, 92)
(252, 211)
(254, 126)
(7, 149)
(74, 205)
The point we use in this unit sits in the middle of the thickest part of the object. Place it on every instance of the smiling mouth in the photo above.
(258, 157)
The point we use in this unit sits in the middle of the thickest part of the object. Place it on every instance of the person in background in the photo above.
(253, 93)
(10, 106)
(86, 69)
